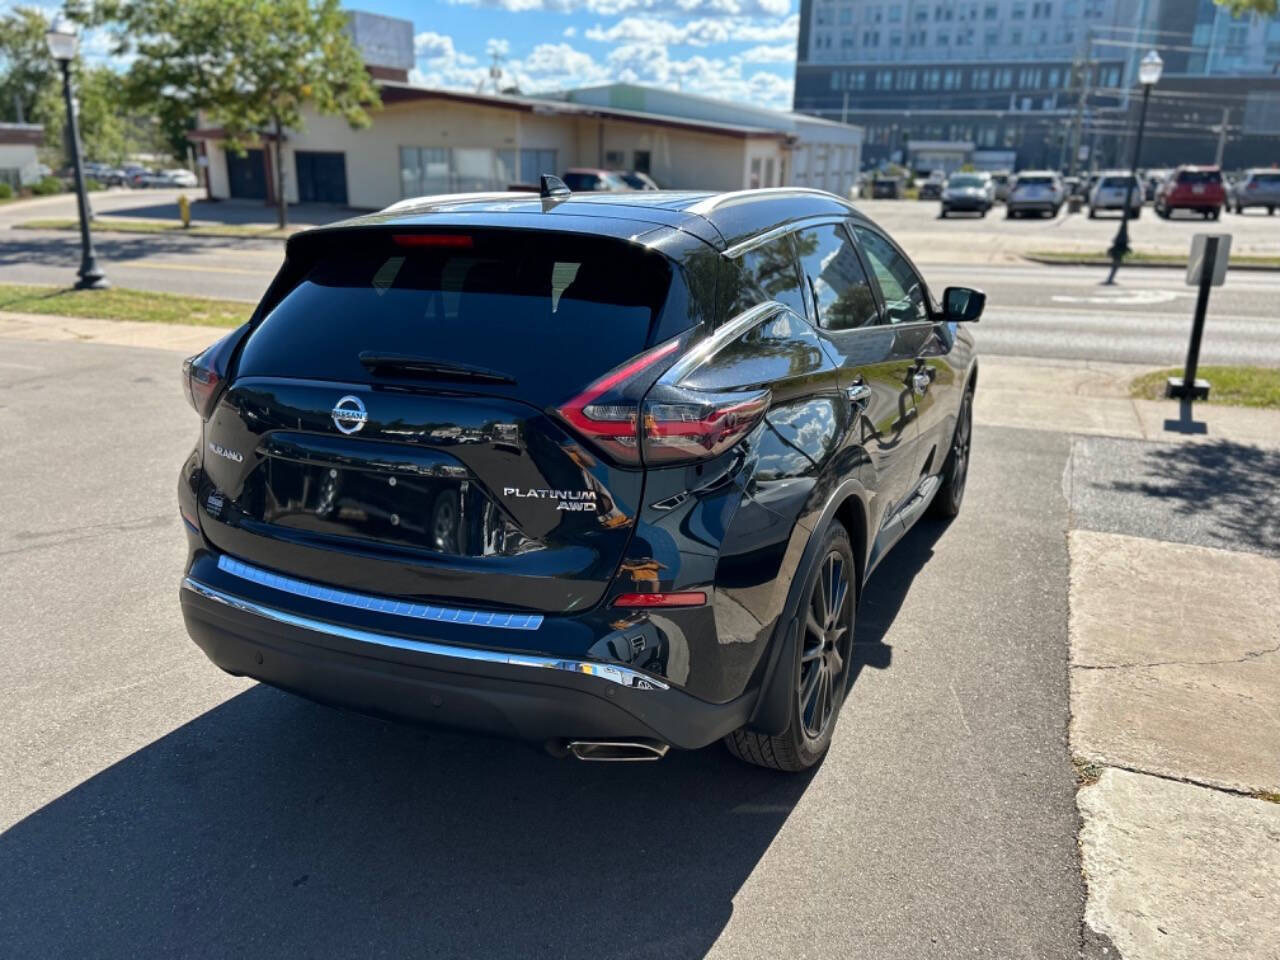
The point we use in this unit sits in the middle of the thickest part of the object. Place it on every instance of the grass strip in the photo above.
(245, 230)
(118, 304)
(1231, 386)
(1078, 258)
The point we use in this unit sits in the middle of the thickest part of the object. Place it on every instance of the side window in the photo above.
(768, 272)
(904, 296)
(840, 286)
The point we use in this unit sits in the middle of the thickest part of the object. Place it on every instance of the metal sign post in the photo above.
(1206, 269)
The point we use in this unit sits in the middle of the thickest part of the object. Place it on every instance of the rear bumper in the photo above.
(472, 688)
(961, 204)
(1032, 205)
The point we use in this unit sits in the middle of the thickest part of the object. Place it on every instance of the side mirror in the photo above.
(962, 304)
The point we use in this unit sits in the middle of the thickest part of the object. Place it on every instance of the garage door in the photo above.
(322, 177)
(246, 176)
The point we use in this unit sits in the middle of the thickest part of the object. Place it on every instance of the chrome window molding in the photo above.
(609, 672)
(727, 333)
(362, 601)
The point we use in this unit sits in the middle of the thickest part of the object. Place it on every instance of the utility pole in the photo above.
(1222, 137)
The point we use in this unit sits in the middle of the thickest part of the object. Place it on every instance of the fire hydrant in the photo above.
(184, 211)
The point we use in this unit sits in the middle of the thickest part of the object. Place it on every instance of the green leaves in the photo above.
(1241, 7)
(248, 67)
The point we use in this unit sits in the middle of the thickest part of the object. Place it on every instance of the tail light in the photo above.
(204, 375)
(668, 425)
(682, 424)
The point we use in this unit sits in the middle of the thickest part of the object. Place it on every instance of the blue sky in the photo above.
(740, 50)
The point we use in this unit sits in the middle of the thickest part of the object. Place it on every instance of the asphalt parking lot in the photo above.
(150, 804)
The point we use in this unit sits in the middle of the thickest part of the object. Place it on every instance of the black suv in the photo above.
(607, 472)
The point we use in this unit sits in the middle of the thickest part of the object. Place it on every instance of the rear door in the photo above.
(389, 423)
(874, 361)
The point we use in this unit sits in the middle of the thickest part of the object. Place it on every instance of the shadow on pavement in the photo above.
(1235, 485)
(885, 592)
(270, 827)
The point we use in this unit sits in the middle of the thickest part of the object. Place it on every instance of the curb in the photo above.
(1143, 264)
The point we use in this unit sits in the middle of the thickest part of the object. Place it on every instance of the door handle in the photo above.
(920, 381)
(859, 394)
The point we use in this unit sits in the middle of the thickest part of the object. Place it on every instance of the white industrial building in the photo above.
(426, 140)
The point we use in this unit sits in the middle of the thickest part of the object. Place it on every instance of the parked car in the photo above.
(968, 193)
(637, 180)
(931, 186)
(534, 490)
(886, 187)
(1257, 188)
(1035, 191)
(1001, 180)
(1197, 189)
(1114, 187)
(586, 179)
(1151, 183)
(177, 177)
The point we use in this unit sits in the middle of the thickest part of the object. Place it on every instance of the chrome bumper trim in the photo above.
(364, 601)
(622, 676)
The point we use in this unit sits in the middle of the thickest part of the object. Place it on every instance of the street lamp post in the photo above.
(1149, 75)
(63, 41)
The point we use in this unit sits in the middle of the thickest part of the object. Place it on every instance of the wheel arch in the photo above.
(847, 506)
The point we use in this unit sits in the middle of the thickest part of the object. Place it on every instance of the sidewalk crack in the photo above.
(1251, 655)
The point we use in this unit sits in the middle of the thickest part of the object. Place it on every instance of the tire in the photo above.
(821, 663)
(1008, 214)
(943, 214)
(1093, 213)
(984, 211)
(1136, 215)
(1271, 211)
(955, 470)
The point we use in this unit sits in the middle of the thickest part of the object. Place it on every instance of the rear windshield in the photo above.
(1199, 176)
(1035, 181)
(538, 307)
(1270, 179)
(1118, 181)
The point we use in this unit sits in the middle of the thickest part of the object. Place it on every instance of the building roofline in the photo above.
(408, 92)
(17, 134)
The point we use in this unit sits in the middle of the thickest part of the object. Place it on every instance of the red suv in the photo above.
(1198, 189)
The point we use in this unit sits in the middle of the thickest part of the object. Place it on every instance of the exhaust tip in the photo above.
(618, 751)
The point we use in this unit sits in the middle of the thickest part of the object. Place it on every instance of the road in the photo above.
(1063, 312)
(150, 805)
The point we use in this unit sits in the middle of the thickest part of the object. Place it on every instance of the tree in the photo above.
(25, 67)
(31, 89)
(246, 66)
(1239, 8)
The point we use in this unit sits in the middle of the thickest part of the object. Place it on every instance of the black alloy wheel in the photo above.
(817, 678)
(824, 655)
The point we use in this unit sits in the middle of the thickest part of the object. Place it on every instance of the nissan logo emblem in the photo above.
(349, 414)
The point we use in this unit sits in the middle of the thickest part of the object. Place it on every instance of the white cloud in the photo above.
(722, 8)
(701, 32)
(570, 31)
(782, 53)
(745, 77)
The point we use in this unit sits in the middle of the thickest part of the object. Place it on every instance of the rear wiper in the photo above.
(410, 366)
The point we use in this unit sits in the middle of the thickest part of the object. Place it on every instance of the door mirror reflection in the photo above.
(963, 304)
